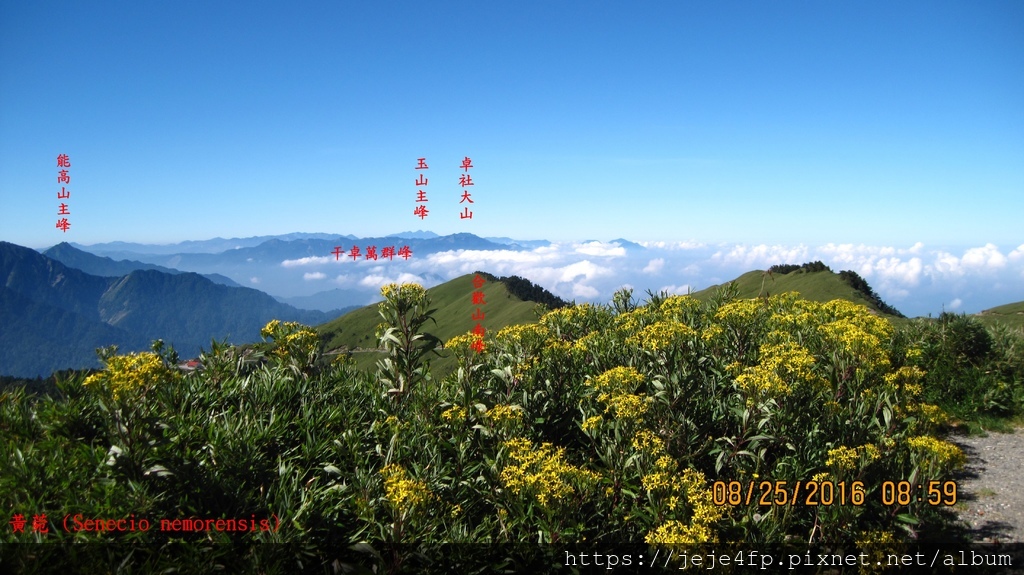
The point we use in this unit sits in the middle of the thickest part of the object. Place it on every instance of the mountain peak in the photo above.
(417, 235)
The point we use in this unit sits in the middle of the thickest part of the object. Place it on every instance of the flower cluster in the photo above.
(647, 440)
(128, 373)
(780, 364)
(680, 307)
(292, 339)
(408, 291)
(661, 335)
(454, 413)
(847, 458)
(504, 414)
(615, 388)
(940, 454)
(908, 379)
(525, 337)
(402, 492)
(573, 322)
(543, 472)
(693, 521)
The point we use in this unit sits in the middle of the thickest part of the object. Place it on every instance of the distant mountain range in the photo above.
(55, 316)
(95, 265)
(262, 262)
(212, 246)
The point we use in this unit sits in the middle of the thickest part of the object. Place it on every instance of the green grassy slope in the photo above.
(1011, 314)
(453, 299)
(820, 286)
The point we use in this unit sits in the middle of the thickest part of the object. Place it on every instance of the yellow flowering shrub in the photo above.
(625, 405)
(542, 472)
(454, 414)
(460, 345)
(618, 380)
(402, 492)
(739, 312)
(647, 440)
(127, 373)
(592, 423)
(527, 338)
(908, 379)
(292, 339)
(615, 387)
(939, 454)
(504, 414)
(679, 307)
(661, 335)
(781, 365)
(689, 502)
(848, 458)
(630, 323)
(407, 291)
(574, 321)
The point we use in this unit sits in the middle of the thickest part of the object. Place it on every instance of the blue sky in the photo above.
(757, 122)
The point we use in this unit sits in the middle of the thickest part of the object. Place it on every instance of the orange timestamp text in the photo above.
(814, 493)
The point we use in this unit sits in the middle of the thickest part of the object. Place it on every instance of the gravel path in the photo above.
(991, 487)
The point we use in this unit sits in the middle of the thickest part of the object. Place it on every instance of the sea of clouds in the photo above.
(918, 279)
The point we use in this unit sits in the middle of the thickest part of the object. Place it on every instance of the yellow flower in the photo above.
(454, 413)
(543, 473)
(626, 405)
(128, 373)
(940, 454)
(661, 335)
(690, 487)
(528, 337)
(739, 312)
(842, 457)
(591, 423)
(679, 307)
(780, 365)
(502, 414)
(402, 492)
(460, 345)
(711, 332)
(618, 380)
(647, 440)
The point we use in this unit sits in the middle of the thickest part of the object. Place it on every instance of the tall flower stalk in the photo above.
(405, 310)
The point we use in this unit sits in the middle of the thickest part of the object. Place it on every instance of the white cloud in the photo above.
(313, 276)
(955, 304)
(254, 280)
(984, 257)
(678, 290)
(312, 260)
(891, 270)
(600, 249)
(1016, 254)
(672, 245)
(584, 268)
(654, 266)
(492, 256)
(985, 260)
(375, 281)
(584, 291)
(761, 256)
(946, 264)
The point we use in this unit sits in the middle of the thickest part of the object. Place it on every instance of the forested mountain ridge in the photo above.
(55, 316)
